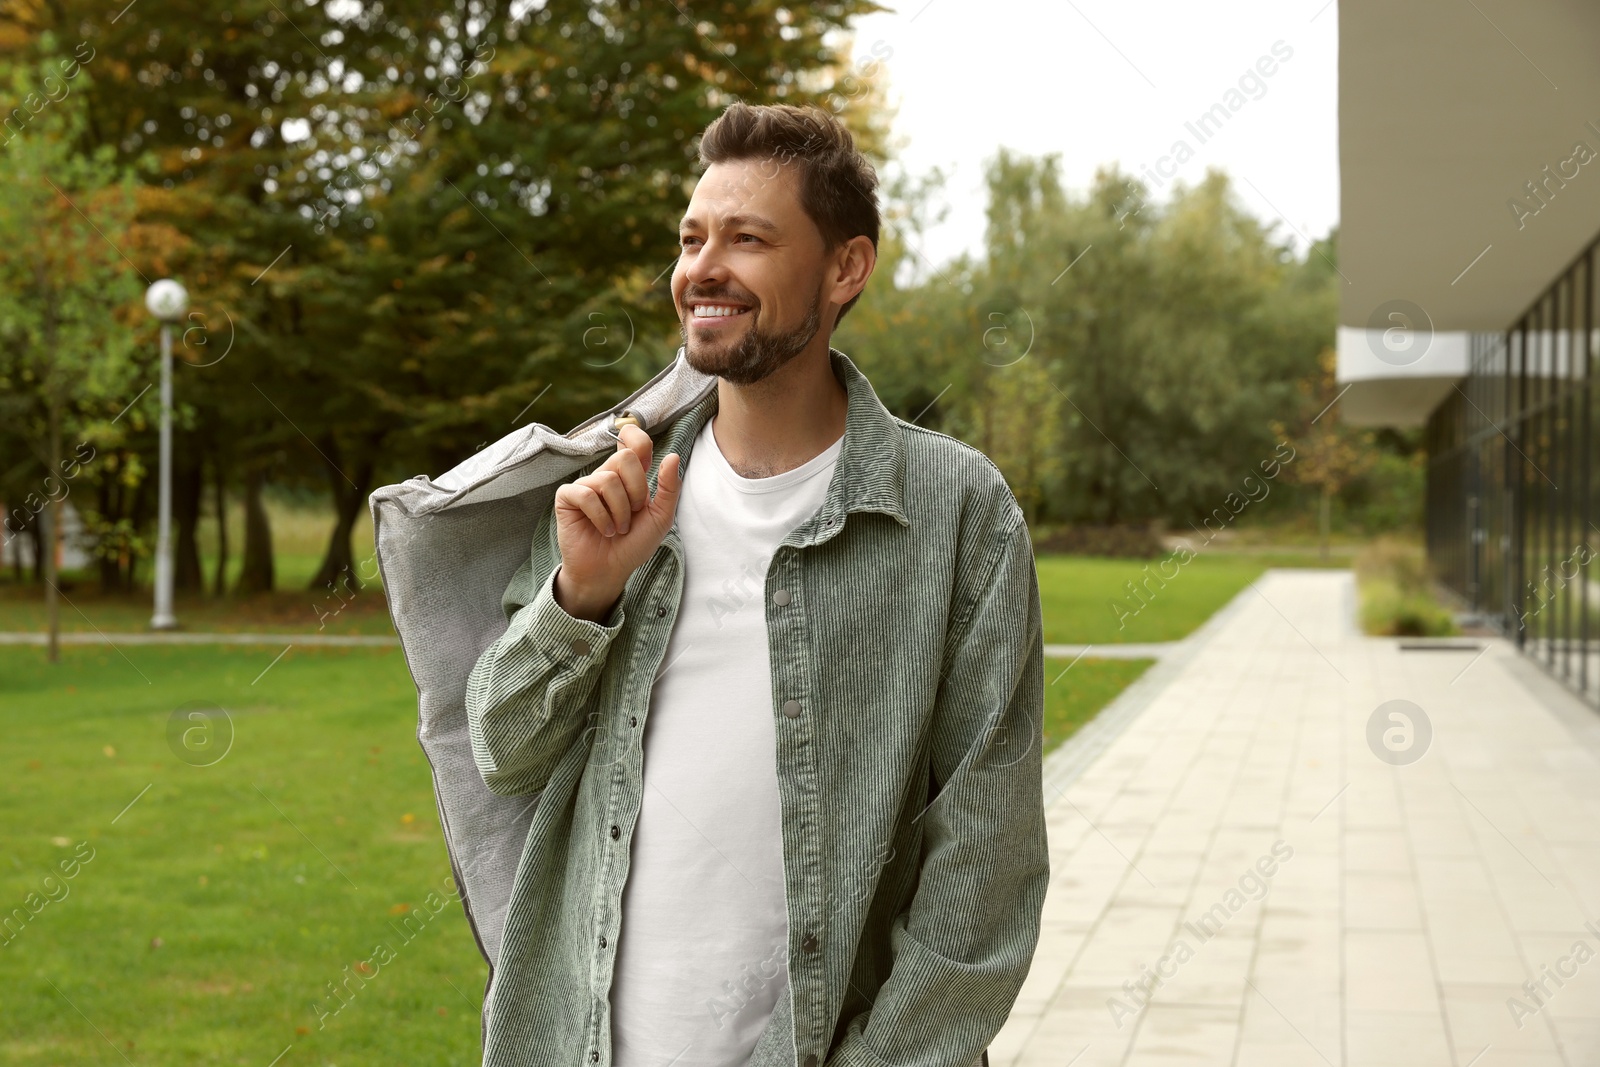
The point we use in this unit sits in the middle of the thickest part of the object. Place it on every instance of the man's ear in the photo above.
(852, 264)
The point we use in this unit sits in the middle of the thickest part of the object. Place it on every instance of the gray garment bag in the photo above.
(447, 548)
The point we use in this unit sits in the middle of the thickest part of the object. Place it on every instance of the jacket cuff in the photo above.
(561, 637)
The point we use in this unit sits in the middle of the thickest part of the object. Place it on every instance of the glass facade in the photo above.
(1512, 510)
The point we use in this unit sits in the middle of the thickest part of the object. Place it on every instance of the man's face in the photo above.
(749, 279)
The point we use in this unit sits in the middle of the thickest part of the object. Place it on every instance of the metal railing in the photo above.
(1512, 511)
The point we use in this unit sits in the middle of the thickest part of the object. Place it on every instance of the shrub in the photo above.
(1397, 593)
(1121, 542)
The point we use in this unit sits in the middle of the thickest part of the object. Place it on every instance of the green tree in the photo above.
(63, 283)
(424, 224)
(1329, 454)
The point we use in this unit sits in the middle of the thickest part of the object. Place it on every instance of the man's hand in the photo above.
(607, 526)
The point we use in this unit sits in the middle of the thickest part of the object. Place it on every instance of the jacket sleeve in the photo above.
(526, 693)
(963, 947)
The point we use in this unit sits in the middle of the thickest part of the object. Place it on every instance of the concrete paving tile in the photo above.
(1299, 1054)
(1397, 1039)
(1170, 875)
(1565, 972)
(1579, 1039)
(1284, 1014)
(1381, 851)
(1173, 1035)
(1477, 1015)
(1381, 900)
(1126, 941)
(1444, 837)
(1389, 972)
(1210, 973)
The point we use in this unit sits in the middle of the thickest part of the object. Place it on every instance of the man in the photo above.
(783, 712)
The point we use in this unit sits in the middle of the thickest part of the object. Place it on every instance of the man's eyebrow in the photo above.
(743, 220)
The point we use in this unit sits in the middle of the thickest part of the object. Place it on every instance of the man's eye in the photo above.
(687, 241)
(752, 236)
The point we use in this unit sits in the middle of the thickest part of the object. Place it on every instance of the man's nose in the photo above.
(709, 265)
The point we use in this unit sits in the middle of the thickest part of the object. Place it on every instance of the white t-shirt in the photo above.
(702, 951)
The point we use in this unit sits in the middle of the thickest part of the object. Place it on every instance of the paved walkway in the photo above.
(1238, 878)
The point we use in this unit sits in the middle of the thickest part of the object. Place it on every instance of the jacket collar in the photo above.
(870, 473)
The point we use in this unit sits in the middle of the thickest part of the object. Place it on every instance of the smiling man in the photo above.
(783, 712)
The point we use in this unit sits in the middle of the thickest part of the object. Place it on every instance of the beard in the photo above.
(757, 354)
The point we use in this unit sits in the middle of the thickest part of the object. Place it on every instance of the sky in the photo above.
(1101, 82)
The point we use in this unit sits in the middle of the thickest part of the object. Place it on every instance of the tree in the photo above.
(1329, 454)
(1161, 341)
(63, 281)
(421, 221)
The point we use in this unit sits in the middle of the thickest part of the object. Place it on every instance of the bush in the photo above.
(1120, 542)
(1397, 593)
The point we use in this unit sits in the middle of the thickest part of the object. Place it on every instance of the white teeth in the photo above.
(714, 311)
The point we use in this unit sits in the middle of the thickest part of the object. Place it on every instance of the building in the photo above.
(1470, 185)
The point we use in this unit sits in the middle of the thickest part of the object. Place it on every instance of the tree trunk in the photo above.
(52, 538)
(220, 582)
(36, 535)
(139, 508)
(1323, 520)
(188, 482)
(16, 555)
(349, 494)
(255, 574)
(110, 567)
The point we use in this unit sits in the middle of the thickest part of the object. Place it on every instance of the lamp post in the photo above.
(167, 301)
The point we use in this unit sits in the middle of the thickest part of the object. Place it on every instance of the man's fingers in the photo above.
(669, 483)
(608, 483)
(638, 441)
(585, 499)
(627, 465)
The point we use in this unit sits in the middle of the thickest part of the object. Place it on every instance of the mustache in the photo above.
(721, 294)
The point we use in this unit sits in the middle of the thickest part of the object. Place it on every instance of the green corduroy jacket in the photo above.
(907, 697)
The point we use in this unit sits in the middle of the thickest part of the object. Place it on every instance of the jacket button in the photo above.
(791, 708)
(661, 613)
(615, 833)
(781, 597)
(602, 941)
(811, 1059)
(633, 720)
(580, 647)
(808, 943)
(594, 1057)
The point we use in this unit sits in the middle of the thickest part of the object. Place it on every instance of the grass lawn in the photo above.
(219, 906)
(212, 906)
(214, 912)
(1076, 693)
(1077, 594)
(288, 610)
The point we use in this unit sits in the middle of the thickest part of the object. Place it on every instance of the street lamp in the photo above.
(167, 301)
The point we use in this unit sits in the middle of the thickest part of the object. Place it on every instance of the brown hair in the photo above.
(838, 186)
